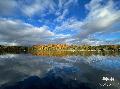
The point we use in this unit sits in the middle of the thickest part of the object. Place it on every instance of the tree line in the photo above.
(60, 47)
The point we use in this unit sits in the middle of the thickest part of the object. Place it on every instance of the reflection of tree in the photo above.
(73, 53)
(67, 50)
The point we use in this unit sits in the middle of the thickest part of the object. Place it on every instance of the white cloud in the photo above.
(7, 7)
(44, 7)
(13, 31)
(99, 42)
(9, 43)
(38, 7)
(66, 3)
(69, 24)
(61, 17)
(64, 8)
(62, 35)
(100, 18)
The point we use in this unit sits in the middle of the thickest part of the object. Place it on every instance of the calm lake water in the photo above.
(25, 71)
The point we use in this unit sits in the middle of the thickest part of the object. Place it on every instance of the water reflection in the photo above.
(74, 53)
(26, 71)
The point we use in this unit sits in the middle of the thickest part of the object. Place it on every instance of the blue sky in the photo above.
(29, 22)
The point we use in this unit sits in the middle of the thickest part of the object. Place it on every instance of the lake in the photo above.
(27, 71)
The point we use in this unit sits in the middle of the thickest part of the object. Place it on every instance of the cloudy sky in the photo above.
(29, 22)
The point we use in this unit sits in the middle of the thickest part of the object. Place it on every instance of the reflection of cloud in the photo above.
(8, 56)
(20, 67)
(104, 62)
(23, 66)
